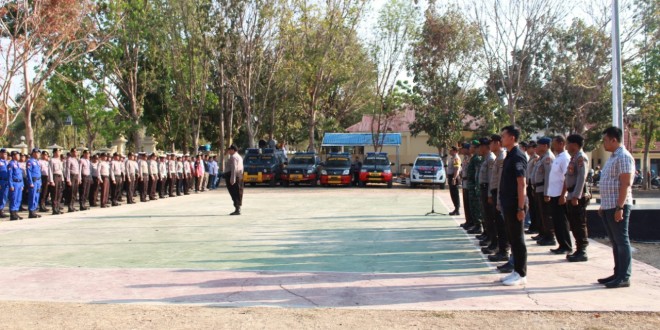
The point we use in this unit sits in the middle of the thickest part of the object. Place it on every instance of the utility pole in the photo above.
(617, 94)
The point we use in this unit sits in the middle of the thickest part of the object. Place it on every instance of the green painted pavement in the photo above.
(291, 230)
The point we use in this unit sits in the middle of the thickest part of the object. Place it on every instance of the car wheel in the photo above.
(413, 185)
(285, 183)
(252, 184)
(313, 183)
(389, 184)
(272, 182)
(442, 186)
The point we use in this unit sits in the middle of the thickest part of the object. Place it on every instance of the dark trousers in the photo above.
(515, 230)
(171, 185)
(104, 188)
(561, 223)
(71, 192)
(502, 237)
(83, 190)
(115, 190)
(94, 191)
(577, 218)
(56, 192)
(153, 181)
(453, 192)
(162, 191)
(547, 228)
(211, 183)
(130, 189)
(144, 186)
(466, 206)
(618, 235)
(43, 195)
(236, 192)
(488, 214)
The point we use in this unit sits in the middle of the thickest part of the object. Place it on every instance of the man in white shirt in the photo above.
(555, 188)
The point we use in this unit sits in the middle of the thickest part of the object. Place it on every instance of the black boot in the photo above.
(237, 212)
(579, 256)
(43, 209)
(2, 214)
(13, 216)
(34, 215)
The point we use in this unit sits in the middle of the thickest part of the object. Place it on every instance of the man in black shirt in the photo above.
(512, 203)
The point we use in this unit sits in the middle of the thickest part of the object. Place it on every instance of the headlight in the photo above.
(387, 171)
(285, 171)
(346, 172)
(310, 171)
(415, 171)
(324, 172)
(265, 170)
(363, 171)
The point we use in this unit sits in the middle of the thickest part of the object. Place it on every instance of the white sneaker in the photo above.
(507, 277)
(515, 280)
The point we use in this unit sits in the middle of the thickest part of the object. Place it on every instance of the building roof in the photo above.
(359, 139)
(401, 123)
(635, 142)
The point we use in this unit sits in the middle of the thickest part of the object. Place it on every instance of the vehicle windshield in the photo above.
(302, 160)
(338, 162)
(429, 162)
(376, 161)
(251, 160)
(267, 159)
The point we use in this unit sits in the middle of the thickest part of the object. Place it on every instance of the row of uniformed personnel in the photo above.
(98, 179)
(557, 191)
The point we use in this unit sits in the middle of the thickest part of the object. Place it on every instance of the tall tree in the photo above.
(512, 32)
(37, 37)
(444, 70)
(389, 49)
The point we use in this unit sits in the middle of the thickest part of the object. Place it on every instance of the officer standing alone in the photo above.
(234, 177)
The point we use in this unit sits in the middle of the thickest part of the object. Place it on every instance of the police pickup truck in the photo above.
(428, 169)
(263, 166)
(376, 169)
(302, 168)
(337, 170)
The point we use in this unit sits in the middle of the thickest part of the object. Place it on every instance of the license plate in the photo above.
(428, 181)
(254, 179)
(374, 174)
(296, 177)
(335, 178)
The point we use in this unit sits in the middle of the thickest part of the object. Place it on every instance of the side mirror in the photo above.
(410, 164)
(391, 164)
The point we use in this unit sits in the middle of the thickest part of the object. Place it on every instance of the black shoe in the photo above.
(235, 213)
(13, 216)
(498, 257)
(617, 283)
(561, 250)
(34, 215)
(84, 208)
(537, 237)
(488, 250)
(506, 268)
(72, 210)
(578, 256)
(546, 242)
(475, 230)
(105, 206)
(484, 243)
(482, 237)
(22, 209)
(531, 232)
(465, 225)
(2, 214)
(607, 279)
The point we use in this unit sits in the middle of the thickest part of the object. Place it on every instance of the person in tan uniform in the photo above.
(234, 177)
(55, 180)
(104, 180)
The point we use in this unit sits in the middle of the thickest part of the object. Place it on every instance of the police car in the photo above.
(337, 170)
(428, 169)
(302, 168)
(263, 166)
(376, 169)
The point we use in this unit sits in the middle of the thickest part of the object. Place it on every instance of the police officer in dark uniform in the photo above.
(473, 189)
(15, 186)
(33, 169)
(577, 196)
(4, 181)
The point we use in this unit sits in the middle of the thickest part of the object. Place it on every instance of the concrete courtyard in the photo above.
(294, 247)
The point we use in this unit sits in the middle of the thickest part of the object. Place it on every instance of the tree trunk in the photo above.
(27, 112)
(646, 174)
(310, 123)
(138, 135)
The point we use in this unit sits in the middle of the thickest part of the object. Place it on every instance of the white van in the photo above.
(428, 169)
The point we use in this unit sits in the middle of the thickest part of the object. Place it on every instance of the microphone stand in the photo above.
(433, 212)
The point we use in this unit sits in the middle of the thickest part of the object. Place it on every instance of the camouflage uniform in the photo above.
(473, 190)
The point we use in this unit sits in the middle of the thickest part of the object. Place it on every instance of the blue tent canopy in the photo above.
(359, 139)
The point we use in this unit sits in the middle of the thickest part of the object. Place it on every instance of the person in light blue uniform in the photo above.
(4, 181)
(15, 186)
(33, 183)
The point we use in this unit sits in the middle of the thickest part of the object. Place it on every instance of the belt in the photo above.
(536, 185)
(17, 180)
(60, 175)
(571, 189)
(36, 179)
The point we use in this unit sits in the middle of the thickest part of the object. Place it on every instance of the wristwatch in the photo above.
(520, 209)
(618, 208)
